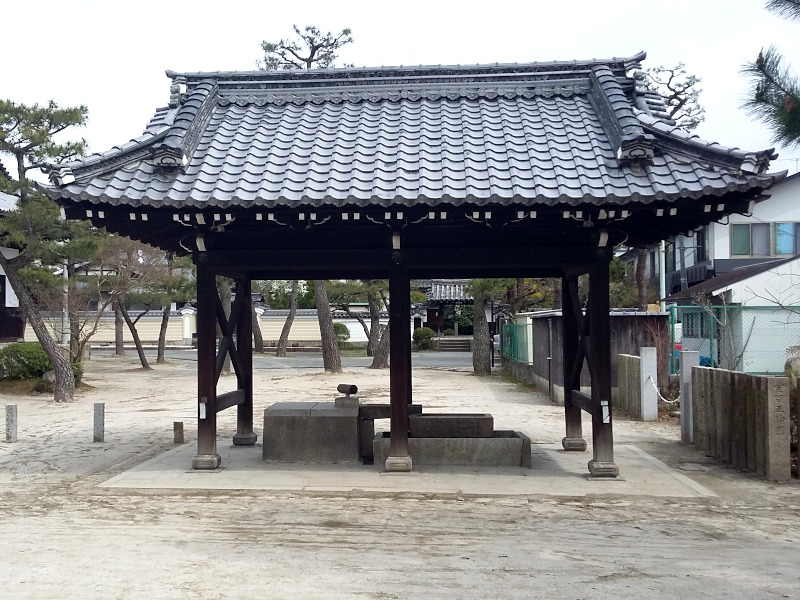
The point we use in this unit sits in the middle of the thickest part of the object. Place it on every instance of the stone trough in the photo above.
(343, 431)
(505, 448)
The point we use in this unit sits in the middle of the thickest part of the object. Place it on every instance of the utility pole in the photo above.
(65, 307)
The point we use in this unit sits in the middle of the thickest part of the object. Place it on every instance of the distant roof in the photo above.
(720, 282)
(7, 202)
(447, 290)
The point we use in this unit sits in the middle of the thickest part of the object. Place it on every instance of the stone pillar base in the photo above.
(574, 444)
(603, 469)
(206, 462)
(398, 464)
(245, 439)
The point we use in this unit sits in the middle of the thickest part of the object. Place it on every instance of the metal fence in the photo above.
(751, 339)
(516, 342)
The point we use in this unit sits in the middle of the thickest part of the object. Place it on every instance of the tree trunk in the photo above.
(224, 291)
(375, 324)
(162, 335)
(641, 278)
(65, 378)
(331, 358)
(134, 333)
(75, 348)
(258, 338)
(381, 358)
(481, 340)
(119, 334)
(287, 326)
(557, 293)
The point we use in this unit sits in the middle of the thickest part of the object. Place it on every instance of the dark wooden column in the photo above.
(572, 363)
(206, 457)
(400, 358)
(599, 356)
(245, 436)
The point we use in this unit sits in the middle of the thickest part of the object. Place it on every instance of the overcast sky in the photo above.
(111, 56)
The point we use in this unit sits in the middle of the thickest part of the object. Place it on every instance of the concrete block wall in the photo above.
(743, 420)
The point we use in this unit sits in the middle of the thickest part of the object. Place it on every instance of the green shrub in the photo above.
(77, 371)
(28, 360)
(423, 338)
(24, 360)
(342, 333)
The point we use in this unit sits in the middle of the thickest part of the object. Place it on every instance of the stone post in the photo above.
(689, 359)
(648, 394)
(778, 467)
(177, 432)
(99, 421)
(11, 423)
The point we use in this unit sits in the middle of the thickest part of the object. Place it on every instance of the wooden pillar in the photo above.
(570, 324)
(599, 356)
(206, 457)
(245, 436)
(400, 359)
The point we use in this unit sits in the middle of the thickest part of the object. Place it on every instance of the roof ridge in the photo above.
(679, 141)
(625, 63)
(632, 143)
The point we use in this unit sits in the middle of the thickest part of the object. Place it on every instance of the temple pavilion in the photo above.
(425, 172)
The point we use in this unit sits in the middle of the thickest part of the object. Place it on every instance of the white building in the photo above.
(771, 231)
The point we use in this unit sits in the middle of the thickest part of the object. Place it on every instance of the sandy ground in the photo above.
(62, 536)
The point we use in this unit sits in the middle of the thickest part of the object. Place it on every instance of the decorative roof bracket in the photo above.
(632, 144)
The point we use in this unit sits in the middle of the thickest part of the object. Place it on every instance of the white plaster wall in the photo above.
(778, 286)
(10, 296)
(783, 206)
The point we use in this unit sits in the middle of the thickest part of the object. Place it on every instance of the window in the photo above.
(754, 239)
(740, 239)
(759, 235)
(669, 256)
(701, 245)
(787, 239)
(653, 264)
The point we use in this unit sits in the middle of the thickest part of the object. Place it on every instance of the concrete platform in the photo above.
(554, 472)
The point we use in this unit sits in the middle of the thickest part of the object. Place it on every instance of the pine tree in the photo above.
(313, 49)
(27, 135)
(681, 93)
(775, 91)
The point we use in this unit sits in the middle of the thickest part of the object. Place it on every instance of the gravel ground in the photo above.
(62, 536)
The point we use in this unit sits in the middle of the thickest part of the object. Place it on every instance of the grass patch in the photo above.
(27, 387)
(354, 351)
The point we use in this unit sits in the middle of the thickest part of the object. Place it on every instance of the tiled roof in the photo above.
(448, 290)
(555, 133)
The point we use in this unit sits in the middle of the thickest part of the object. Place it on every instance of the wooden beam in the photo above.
(582, 401)
(207, 457)
(245, 435)
(228, 399)
(572, 363)
(227, 326)
(400, 355)
(599, 358)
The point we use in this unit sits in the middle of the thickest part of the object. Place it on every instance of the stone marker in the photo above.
(177, 432)
(11, 423)
(99, 421)
(778, 463)
(689, 359)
